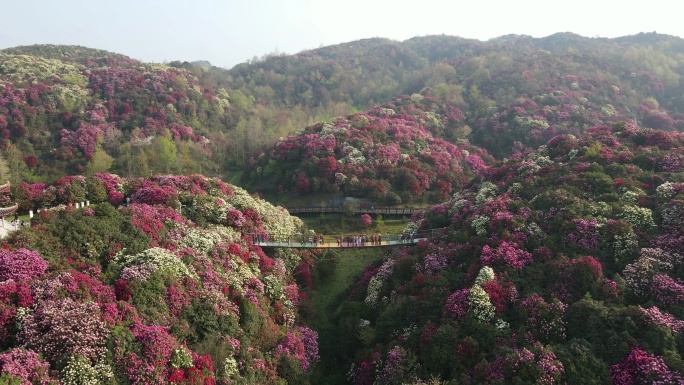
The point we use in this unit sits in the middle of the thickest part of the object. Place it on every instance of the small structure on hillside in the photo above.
(9, 210)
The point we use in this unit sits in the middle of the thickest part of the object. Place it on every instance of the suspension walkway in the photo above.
(344, 241)
(387, 211)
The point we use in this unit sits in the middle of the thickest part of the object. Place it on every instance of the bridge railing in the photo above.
(372, 210)
(343, 241)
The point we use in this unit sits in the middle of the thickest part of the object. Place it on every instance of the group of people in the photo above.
(407, 236)
(359, 240)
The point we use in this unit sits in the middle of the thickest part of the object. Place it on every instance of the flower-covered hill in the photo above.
(561, 265)
(64, 112)
(391, 154)
(562, 94)
(135, 293)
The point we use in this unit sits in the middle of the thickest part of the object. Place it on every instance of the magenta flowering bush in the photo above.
(365, 220)
(508, 253)
(26, 365)
(641, 367)
(21, 264)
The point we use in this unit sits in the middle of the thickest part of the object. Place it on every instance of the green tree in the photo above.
(101, 161)
(15, 161)
(166, 152)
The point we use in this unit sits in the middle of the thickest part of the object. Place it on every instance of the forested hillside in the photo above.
(394, 153)
(68, 109)
(555, 167)
(558, 265)
(140, 294)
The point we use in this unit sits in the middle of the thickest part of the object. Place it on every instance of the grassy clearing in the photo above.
(341, 224)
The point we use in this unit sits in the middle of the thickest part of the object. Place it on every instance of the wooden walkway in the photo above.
(375, 210)
(334, 245)
(343, 241)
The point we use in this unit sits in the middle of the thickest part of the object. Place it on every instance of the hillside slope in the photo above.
(391, 154)
(559, 265)
(141, 294)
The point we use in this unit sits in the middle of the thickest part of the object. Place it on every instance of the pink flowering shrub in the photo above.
(162, 195)
(663, 319)
(21, 264)
(506, 253)
(64, 327)
(457, 304)
(643, 368)
(150, 219)
(365, 220)
(25, 365)
(666, 290)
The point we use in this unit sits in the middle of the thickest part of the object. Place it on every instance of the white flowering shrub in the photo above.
(78, 371)
(290, 259)
(640, 217)
(485, 275)
(230, 369)
(276, 219)
(624, 244)
(181, 358)
(665, 191)
(374, 286)
(486, 192)
(273, 287)
(161, 259)
(630, 197)
(203, 240)
(481, 225)
(480, 304)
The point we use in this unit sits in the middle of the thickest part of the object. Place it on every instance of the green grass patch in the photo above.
(337, 272)
(341, 224)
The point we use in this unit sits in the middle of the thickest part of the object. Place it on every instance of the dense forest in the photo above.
(68, 109)
(553, 168)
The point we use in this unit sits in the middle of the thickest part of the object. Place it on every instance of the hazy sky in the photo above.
(230, 32)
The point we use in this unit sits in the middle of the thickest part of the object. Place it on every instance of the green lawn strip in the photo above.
(326, 300)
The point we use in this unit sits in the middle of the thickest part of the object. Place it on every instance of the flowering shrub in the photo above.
(150, 260)
(641, 367)
(481, 306)
(64, 327)
(21, 264)
(663, 319)
(508, 253)
(25, 365)
(78, 370)
(366, 220)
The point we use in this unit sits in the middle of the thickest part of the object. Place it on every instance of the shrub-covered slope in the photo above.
(560, 265)
(391, 153)
(140, 294)
(57, 102)
(63, 114)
